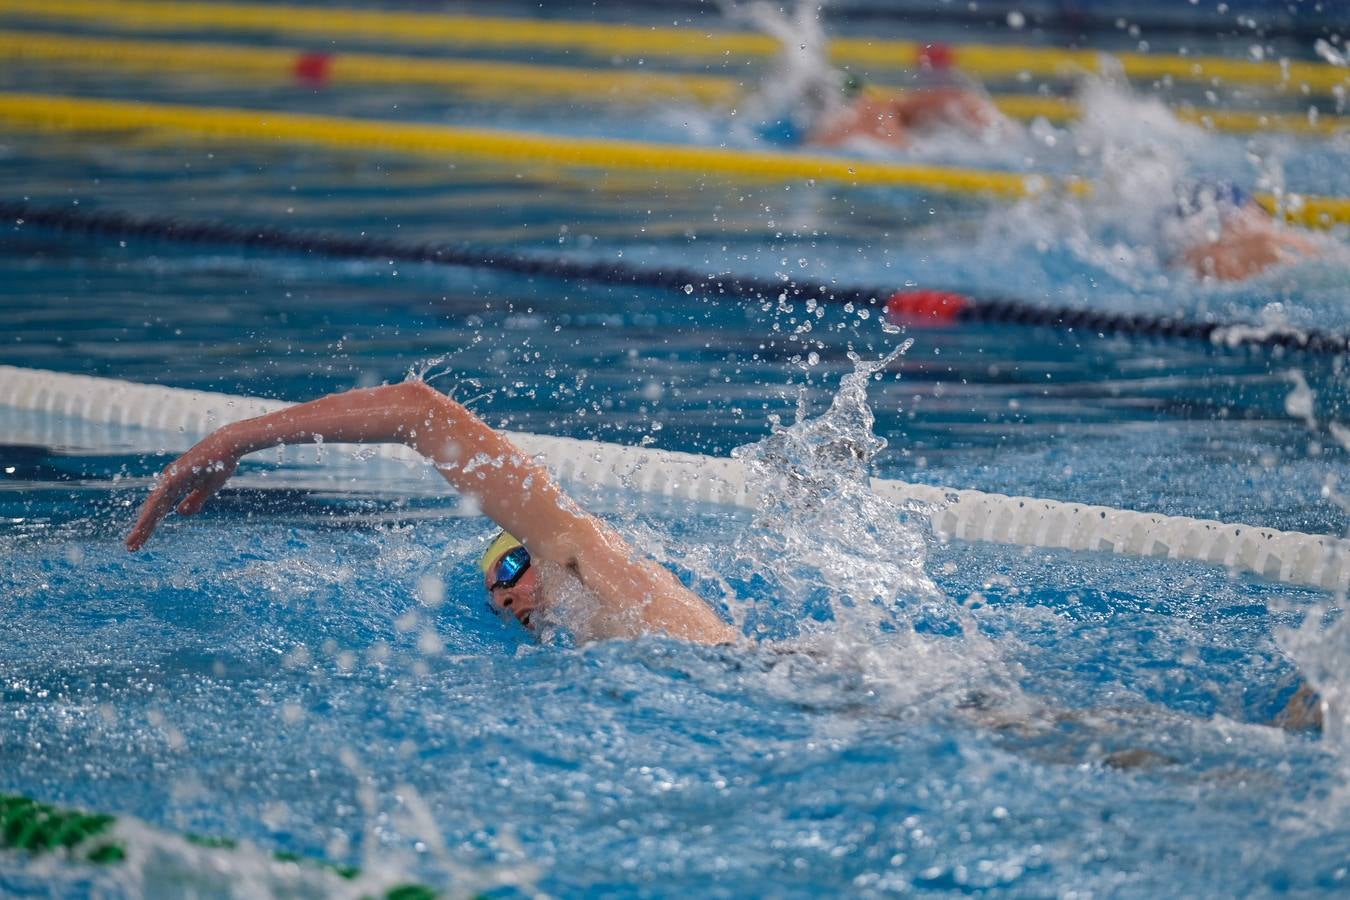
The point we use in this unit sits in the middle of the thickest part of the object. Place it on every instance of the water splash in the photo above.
(436, 367)
(836, 551)
(1330, 54)
(1337, 58)
(1141, 159)
(1300, 402)
(1319, 646)
(846, 570)
(801, 86)
(1135, 152)
(1320, 643)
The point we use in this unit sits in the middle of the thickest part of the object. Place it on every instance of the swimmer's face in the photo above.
(521, 599)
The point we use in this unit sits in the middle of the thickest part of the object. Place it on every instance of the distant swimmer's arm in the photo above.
(945, 106)
(867, 117)
(1248, 245)
(517, 493)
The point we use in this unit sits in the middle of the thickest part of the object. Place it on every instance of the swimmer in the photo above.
(944, 100)
(896, 118)
(1227, 236)
(550, 551)
(806, 101)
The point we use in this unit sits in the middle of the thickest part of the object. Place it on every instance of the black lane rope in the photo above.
(920, 307)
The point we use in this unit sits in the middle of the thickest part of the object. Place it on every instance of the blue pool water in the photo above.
(283, 669)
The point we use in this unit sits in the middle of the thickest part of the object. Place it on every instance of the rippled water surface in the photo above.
(309, 667)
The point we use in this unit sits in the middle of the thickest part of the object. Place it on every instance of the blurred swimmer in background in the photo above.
(944, 101)
(806, 101)
(1157, 200)
(1224, 234)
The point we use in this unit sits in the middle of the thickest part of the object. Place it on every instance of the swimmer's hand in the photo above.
(198, 474)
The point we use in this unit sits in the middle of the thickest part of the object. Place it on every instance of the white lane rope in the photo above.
(1314, 560)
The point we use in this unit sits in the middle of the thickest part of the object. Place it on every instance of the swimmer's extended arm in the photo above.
(894, 118)
(517, 493)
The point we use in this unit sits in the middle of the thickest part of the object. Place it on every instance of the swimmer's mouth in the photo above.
(525, 620)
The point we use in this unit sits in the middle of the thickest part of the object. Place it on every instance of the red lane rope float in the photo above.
(941, 308)
(313, 68)
(926, 308)
(938, 57)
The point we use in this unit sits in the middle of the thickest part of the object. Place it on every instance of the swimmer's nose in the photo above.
(520, 607)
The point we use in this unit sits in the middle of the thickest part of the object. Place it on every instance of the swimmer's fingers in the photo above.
(153, 510)
(183, 476)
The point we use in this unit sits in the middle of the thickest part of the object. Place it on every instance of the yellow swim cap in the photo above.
(503, 542)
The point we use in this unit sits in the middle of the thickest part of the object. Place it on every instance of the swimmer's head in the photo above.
(1223, 199)
(510, 580)
(504, 541)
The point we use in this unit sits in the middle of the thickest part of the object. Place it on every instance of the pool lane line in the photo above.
(325, 67)
(497, 79)
(607, 40)
(79, 114)
(39, 829)
(917, 307)
(65, 113)
(1320, 561)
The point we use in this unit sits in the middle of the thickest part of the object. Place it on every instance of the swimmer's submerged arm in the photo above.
(517, 493)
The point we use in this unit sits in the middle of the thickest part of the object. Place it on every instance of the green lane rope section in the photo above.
(605, 40)
(26, 824)
(501, 79)
(38, 828)
(63, 113)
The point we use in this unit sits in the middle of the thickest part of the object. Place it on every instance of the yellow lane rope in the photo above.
(503, 79)
(631, 40)
(1058, 109)
(79, 114)
(63, 113)
(276, 62)
(1009, 61)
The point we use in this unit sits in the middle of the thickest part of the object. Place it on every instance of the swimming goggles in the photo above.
(509, 569)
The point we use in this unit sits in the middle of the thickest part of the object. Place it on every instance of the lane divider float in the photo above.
(606, 40)
(917, 307)
(327, 66)
(1321, 561)
(500, 79)
(79, 114)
